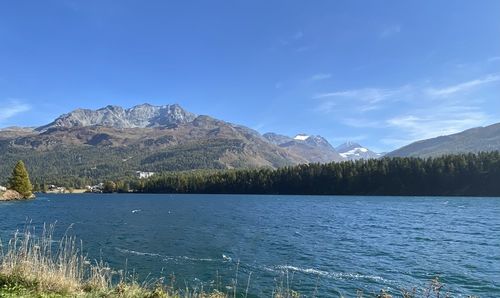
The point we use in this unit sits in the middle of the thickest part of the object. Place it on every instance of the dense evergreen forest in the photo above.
(454, 175)
(76, 167)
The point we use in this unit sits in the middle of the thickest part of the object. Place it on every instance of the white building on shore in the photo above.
(144, 175)
(3, 188)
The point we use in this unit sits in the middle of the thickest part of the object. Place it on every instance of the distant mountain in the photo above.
(140, 116)
(354, 151)
(14, 131)
(311, 148)
(471, 140)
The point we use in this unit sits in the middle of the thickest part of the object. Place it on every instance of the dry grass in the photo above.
(34, 265)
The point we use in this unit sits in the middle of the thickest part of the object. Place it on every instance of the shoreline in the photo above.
(264, 195)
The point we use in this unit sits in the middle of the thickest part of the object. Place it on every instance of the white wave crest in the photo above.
(165, 258)
(322, 273)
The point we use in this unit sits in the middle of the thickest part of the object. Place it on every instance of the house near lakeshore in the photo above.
(98, 188)
(3, 188)
(144, 175)
(56, 189)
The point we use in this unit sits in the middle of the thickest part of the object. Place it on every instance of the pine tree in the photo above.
(20, 180)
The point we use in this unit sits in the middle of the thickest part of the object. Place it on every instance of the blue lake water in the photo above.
(328, 246)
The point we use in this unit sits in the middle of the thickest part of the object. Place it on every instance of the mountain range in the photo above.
(114, 141)
(111, 142)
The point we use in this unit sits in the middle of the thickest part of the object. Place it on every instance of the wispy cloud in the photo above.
(440, 123)
(367, 99)
(371, 95)
(320, 77)
(404, 114)
(11, 108)
(463, 86)
(390, 31)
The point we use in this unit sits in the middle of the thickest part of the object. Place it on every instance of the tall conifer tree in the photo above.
(20, 180)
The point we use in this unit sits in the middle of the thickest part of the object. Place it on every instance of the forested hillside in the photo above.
(77, 166)
(454, 175)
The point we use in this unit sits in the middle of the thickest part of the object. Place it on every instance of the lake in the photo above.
(320, 245)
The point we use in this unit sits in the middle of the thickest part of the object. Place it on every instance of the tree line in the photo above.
(454, 175)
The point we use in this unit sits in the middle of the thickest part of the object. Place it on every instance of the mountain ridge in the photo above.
(315, 149)
(472, 140)
(139, 116)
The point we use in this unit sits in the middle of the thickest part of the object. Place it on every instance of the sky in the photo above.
(382, 73)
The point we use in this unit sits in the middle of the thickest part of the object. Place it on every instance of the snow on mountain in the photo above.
(354, 151)
(301, 137)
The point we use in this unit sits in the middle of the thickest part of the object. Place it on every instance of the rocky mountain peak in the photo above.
(319, 141)
(348, 145)
(313, 148)
(142, 116)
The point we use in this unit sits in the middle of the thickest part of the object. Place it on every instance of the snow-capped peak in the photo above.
(301, 137)
(354, 151)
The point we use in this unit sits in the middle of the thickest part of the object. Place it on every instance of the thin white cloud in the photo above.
(440, 121)
(463, 86)
(367, 99)
(320, 77)
(11, 108)
(371, 95)
(408, 113)
(390, 31)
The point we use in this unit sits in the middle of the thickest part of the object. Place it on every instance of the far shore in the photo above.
(67, 192)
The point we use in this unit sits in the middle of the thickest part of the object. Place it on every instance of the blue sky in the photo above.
(384, 73)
